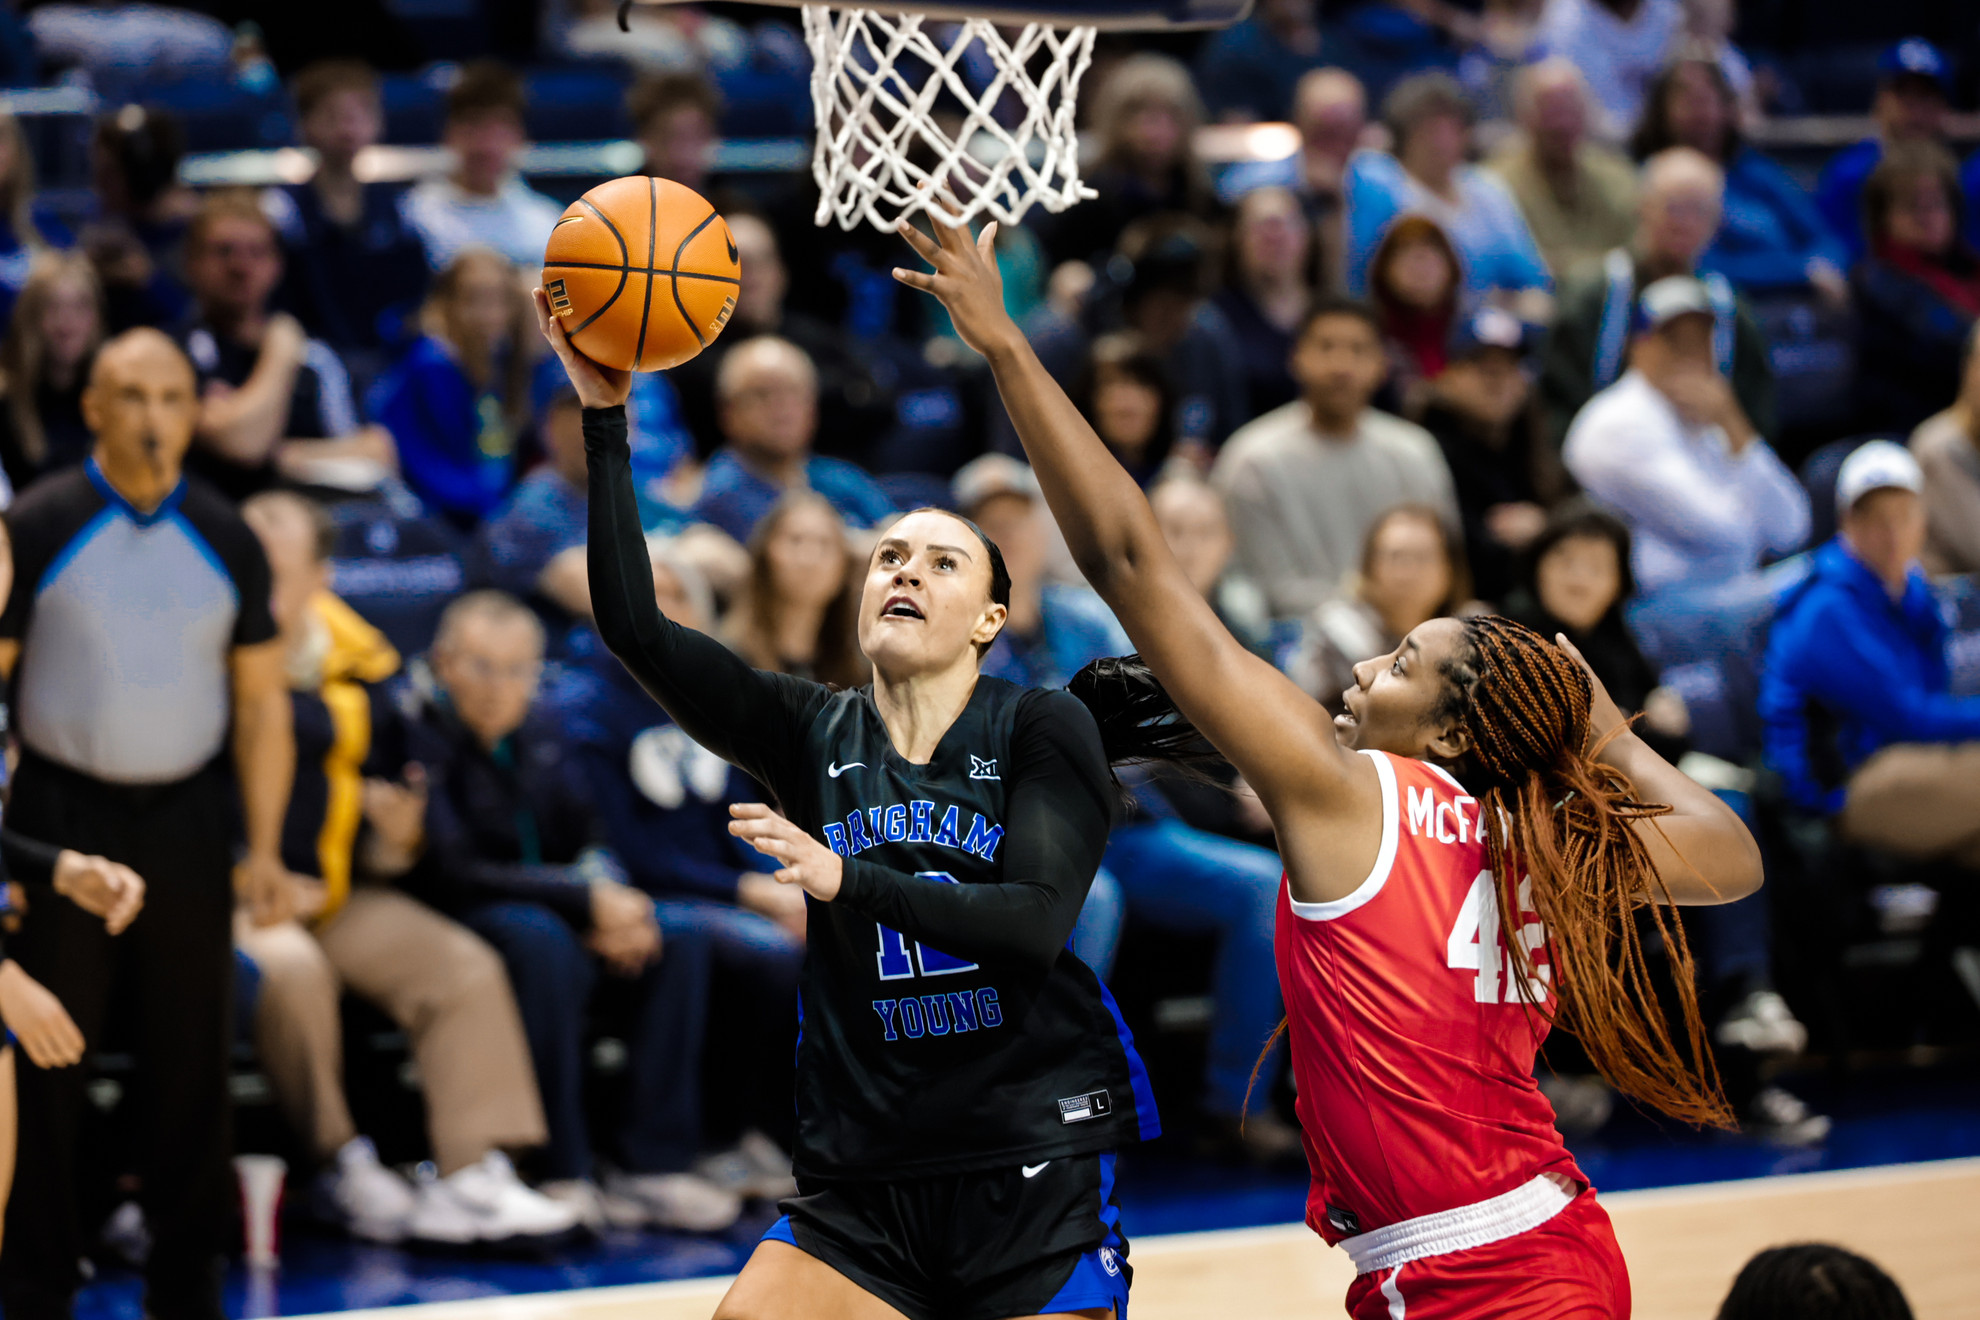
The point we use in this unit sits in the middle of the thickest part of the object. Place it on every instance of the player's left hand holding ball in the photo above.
(806, 862)
(596, 386)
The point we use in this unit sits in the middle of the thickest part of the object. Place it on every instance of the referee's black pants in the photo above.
(175, 967)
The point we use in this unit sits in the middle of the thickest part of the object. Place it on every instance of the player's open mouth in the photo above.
(900, 607)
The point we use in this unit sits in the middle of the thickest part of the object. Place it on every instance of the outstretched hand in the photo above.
(596, 386)
(802, 860)
(967, 281)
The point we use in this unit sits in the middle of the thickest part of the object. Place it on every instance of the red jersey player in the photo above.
(1465, 848)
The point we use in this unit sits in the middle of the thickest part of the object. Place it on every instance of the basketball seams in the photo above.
(624, 271)
(646, 307)
(675, 274)
(639, 270)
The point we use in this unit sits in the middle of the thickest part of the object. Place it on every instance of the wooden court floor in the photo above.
(1684, 1244)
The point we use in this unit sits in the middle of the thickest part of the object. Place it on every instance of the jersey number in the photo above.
(897, 963)
(1477, 944)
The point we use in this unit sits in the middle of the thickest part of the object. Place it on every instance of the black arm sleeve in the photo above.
(1059, 811)
(29, 862)
(750, 718)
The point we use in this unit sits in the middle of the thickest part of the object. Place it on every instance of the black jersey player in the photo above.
(963, 1079)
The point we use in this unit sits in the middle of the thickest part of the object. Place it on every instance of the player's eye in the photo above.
(1396, 667)
(945, 563)
(889, 557)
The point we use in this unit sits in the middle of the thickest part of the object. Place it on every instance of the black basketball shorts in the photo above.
(983, 1245)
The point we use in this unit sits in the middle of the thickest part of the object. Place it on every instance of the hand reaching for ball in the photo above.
(596, 386)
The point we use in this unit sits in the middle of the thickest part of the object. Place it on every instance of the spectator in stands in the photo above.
(1429, 117)
(1412, 570)
(141, 214)
(1267, 290)
(1918, 290)
(1170, 873)
(1251, 70)
(355, 268)
(1669, 449)
(1145, 116)
(457, 402)
(767, 391)
(516, 852)
(1478, 409)
(1708, 32)
(1619, 45)
(676, 120)
(1578, 195)
(1125, 394)
(1159, 279)
(1330, 110)
(274, 403)
(665, 804)
(51, 340)
(1770, 234)
(1813, 1281)
(25, 230)
(1198, 533)
(1416, 286)
(1947, 447)
(798, 610)
(1577, 581)
(1859, 719)
(1910, 106)
(853, 410)
(1587, 349)
(131, 569)
(484, 202)
(438, 981)
(533, 546)
(1304, 481)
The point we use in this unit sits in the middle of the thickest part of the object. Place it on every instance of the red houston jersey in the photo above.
(1412, 1047)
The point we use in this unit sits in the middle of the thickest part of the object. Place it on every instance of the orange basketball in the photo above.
(642, 273)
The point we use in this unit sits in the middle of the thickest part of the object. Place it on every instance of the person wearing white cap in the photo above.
(1670, 451)
(1855, 696)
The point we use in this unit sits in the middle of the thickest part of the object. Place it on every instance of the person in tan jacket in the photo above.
(1947, 447)
(354, 823)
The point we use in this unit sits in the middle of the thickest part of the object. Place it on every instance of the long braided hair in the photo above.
(1564, 824)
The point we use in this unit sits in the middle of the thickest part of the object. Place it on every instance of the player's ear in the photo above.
(989, 624)
(1450, 744)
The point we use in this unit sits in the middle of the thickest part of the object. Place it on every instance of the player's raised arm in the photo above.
(1279, 738)
(747, 717)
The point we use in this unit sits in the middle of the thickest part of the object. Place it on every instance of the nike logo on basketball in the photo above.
(734, 256)
(1033, 1170)
(834, 770)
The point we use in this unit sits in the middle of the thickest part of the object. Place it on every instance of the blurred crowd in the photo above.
(1535, 330)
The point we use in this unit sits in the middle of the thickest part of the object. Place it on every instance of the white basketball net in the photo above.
(886, 89)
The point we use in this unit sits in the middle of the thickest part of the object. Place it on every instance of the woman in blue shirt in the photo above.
(458, 401)
(1771, 237)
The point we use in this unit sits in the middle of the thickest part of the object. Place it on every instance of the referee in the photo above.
(138, 641)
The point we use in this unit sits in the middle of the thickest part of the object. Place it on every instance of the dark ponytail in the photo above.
(1138, 720)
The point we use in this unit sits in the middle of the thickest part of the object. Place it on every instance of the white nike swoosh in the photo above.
(1033, 1170)
(834, 770)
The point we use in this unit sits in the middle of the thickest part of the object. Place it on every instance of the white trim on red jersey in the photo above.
(1385, 859)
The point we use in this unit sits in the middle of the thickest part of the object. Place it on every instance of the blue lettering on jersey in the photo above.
(913, 822)
(958, 1011)
(983, 842)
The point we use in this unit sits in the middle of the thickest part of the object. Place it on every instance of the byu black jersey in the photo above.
(945, 1024)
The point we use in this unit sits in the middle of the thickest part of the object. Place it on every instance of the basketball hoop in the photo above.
(928, 106)
(889, 147)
